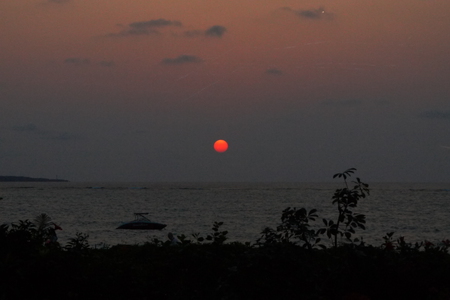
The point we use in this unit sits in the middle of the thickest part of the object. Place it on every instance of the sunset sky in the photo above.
(139, 90)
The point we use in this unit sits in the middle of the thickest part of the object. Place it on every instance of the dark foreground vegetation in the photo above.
(297, 260)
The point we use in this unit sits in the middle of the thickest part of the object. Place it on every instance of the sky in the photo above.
(139, 90)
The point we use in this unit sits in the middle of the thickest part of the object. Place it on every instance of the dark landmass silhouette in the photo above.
(28, 179)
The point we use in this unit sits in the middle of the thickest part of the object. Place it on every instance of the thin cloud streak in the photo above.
(58, 1)
(182, 59)
(33, 130)
(342, 103)
(311, 14)
(77, 61)
(107, 64)
(274, 71)
(25, 128)
(435, 114)
(216, 31)
(146, 27)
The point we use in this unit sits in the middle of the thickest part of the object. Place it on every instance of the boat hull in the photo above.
(142, 226)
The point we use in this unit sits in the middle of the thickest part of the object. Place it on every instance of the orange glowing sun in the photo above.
(220, 146)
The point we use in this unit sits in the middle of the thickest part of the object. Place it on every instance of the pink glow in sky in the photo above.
(114, 90)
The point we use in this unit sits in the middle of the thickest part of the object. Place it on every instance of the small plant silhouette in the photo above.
(294, 228)
(295, 223)
(79, 243)
(216, 238)
(346, 199)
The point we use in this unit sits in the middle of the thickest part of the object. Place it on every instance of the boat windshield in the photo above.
(141, 216)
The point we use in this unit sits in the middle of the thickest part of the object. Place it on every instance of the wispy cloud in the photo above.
(58, 136)
(435, 114)
(216, 31)
(146, 27)
(194, 33)
(32, 129)
(108, 64)
(274, 71)
(155, 27)
(311, 14)
(25, 128)
(77, 61)
(58, 1)
(182, 59)
(342, 103)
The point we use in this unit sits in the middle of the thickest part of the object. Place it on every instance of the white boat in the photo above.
(141, 222)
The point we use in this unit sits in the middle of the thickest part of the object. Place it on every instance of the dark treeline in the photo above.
(28, 179)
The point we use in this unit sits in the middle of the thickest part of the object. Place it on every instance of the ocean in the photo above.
(417, 211)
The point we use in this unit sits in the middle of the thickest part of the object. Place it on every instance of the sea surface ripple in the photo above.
(417, 211)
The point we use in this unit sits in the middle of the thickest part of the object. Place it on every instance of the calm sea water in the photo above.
(416, 211)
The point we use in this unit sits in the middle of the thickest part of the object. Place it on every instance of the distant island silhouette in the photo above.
(28, 179)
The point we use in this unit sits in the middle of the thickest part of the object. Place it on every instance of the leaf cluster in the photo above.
(27, 237)
(295, 228)
(217, 237)
(79, 243)
(400, 245)
(295, 224)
